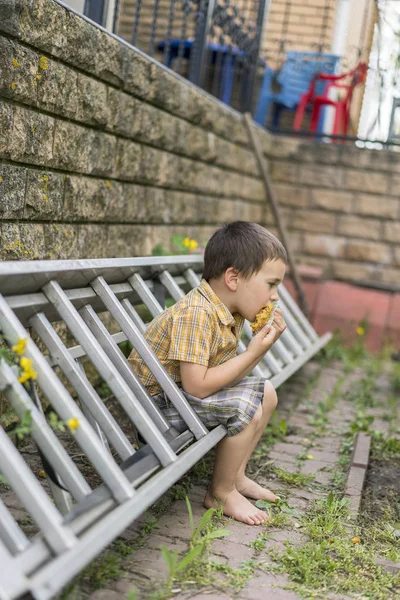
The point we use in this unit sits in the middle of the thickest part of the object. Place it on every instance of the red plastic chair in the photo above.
(341, 105)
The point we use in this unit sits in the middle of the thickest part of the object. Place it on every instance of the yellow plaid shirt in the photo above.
(198, 329)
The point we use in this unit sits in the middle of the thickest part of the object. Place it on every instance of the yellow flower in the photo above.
(306, 440)
(26, 363)
(356, 540)
(28, 371)
(42, 474)
(73, 424)
(360, 330)
(186, 242)
(193, 245)
(310, 456)
(20, 346)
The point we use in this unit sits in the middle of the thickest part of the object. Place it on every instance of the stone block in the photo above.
(72, 144)
(129, 240)
(397, 256)
(44, 195)
(333, 200)
(284, 171)
(32, 137)
(56, 87)
(85, 197)
(6, 128)
(366, 181)
(321, 175)
(391, 231)
(376, 206)
(102, 154)
(22, 242)
(18, 71)
(291, 195)
(32, 239)
(359, 227)
(391, 277)
(138, 74)
(109, 59)
(125, 113)
(128, 160)
(10, 11)
(325, 245)
(43, 25)
(60, 241)
(92, 241)
(373, 252)
(85, 37)
(158, 128)
(353, 271)
(12, 191)
(312, 220)
(91, 100)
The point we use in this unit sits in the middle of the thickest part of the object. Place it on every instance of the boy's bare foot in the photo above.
(251, 489)
(236, 506)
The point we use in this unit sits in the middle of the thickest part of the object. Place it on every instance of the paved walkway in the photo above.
(302, 407)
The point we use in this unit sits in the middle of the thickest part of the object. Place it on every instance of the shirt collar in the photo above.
(224, 314)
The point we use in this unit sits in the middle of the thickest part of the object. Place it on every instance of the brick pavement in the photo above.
(145, 568)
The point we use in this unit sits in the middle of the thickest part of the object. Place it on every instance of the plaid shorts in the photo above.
(232, 407)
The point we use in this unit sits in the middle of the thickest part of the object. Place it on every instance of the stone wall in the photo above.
(104, 154)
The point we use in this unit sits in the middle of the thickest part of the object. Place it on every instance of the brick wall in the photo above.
(103, 154)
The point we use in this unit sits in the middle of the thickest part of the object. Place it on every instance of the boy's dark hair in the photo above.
(243, 246)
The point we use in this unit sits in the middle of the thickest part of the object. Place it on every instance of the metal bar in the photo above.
(153, 26)
(173, 288)
(90, 400)
(33, 497)
(42, 433)
(13, 583)
(118, 359)
(291, 304)
(278, 379)
(134, 316)
(290, 341)
(260, 28)
(282, 352)
(63, 499)
(206, 9)
(10, 532)
(171, 389)
(55, 575)
(96, 427)
(145, 294)
(64, 405)
(181, 48)
(110, 374)
(298, 333)
(136, 21)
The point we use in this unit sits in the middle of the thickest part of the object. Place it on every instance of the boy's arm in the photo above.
(202, 381)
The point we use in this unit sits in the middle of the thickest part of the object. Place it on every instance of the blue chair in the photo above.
(294, 79)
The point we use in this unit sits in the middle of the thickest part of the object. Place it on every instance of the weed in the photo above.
(295, 479)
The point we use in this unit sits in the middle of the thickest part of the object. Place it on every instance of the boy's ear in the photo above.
(231, 278)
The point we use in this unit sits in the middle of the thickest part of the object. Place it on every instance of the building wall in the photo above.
(105, 154)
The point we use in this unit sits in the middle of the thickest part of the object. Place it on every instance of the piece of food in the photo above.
(264, 317)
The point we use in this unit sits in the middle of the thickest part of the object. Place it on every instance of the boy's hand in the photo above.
(278, 323)
(264, 339)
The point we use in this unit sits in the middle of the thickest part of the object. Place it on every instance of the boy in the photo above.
(196, 340)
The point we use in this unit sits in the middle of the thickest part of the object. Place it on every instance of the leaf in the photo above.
(170, 557)
(189, 507)
(205, 519)
(189, 558)
(218, 533)
(264, 504)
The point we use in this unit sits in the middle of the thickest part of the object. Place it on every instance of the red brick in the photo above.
(343, 306)
(392, 330)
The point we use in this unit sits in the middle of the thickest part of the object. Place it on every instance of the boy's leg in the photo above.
(231, 456)
(246, 486)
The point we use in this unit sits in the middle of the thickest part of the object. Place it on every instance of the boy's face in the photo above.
(257, 291)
